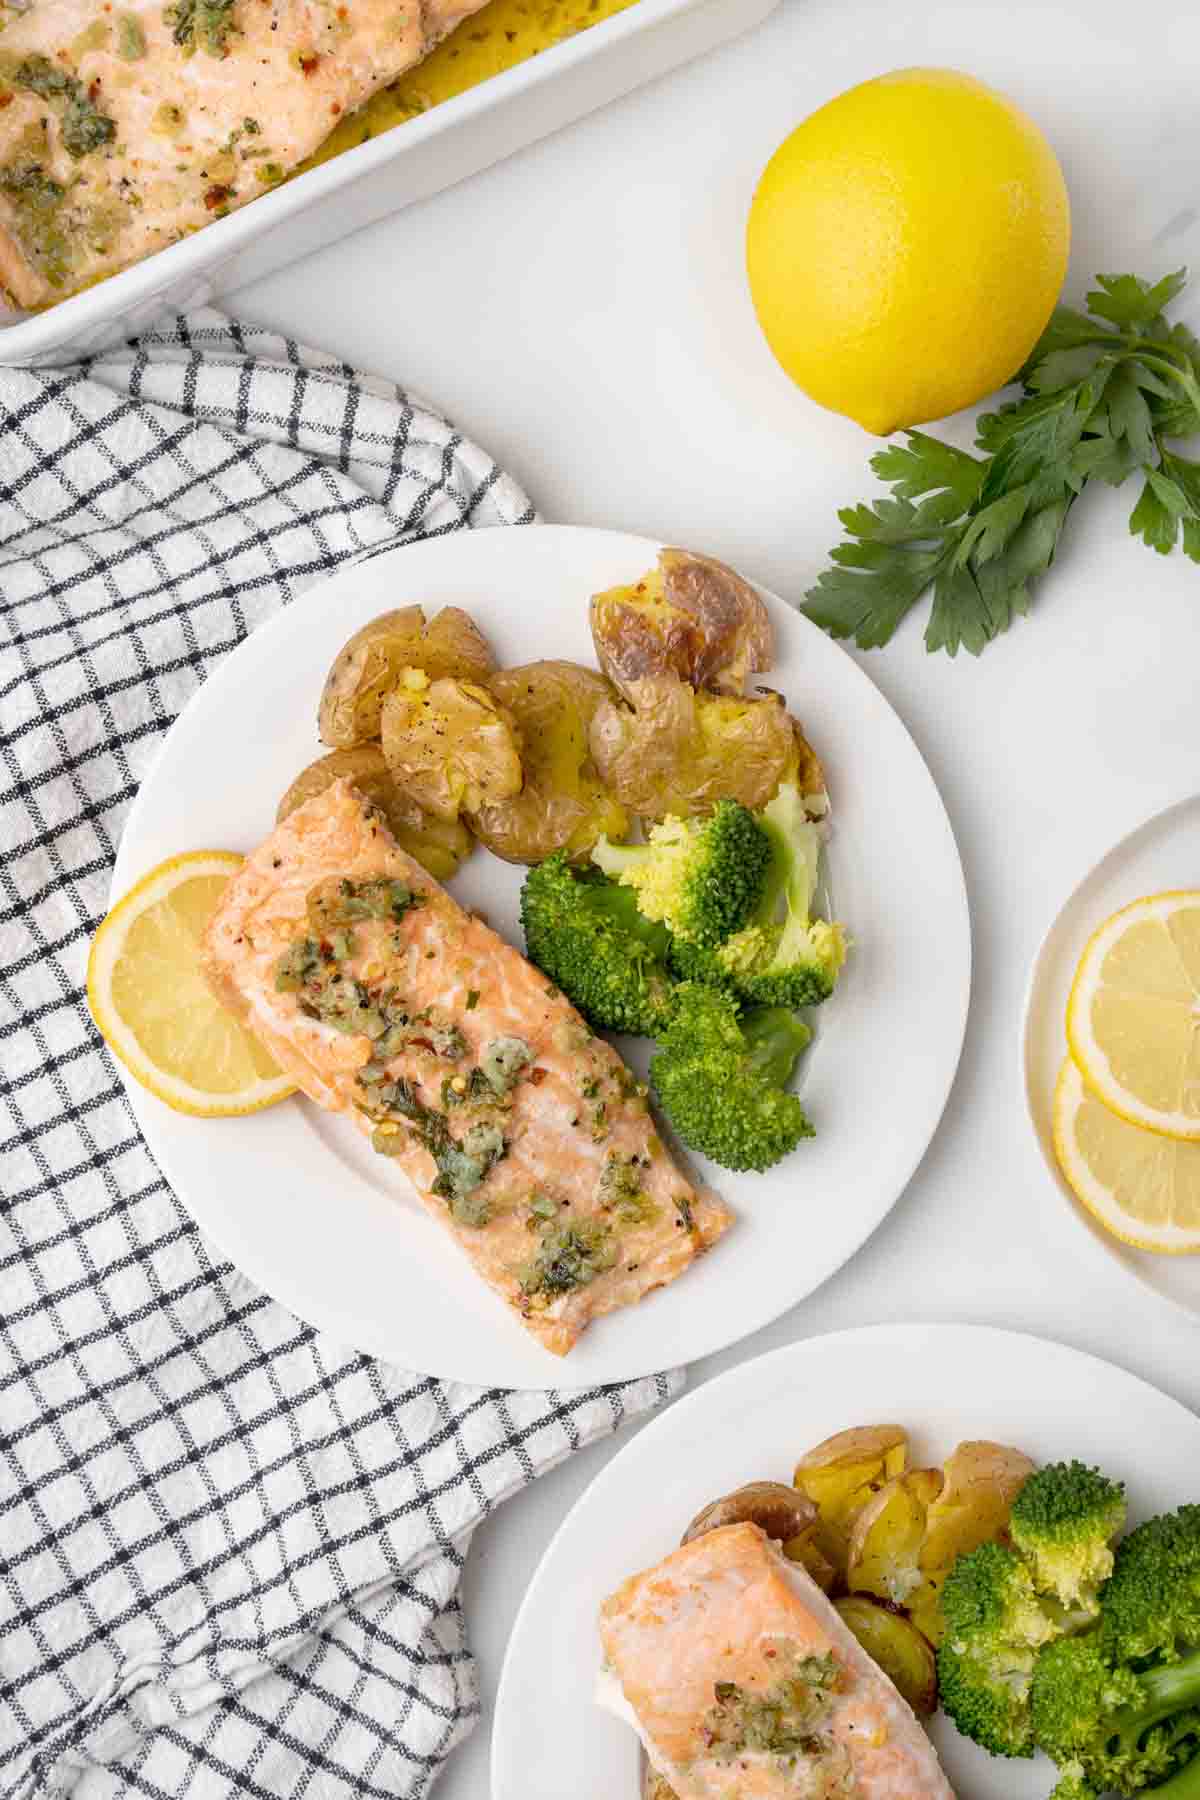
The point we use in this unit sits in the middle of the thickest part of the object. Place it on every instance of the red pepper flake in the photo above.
(6, 98)
(336, 108)
(217, 196)
(309, 61)
(94, 90)
(537, 1076)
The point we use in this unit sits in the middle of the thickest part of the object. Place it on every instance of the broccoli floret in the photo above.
(1151, 1606)
(587, 935)
(1123, 1729)
(1062, 1523)
(995, 1625)
(796, 960)
(1073, 1785)
(1123, 1700)
(715, 1087)
(701, 877)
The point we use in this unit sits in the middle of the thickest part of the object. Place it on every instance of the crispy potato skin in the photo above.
(451, 745)
(677, 752)
(692, 617)
(437, 845)
(771, 1505)
(564, 805)
(903, 1654)
(368, 666)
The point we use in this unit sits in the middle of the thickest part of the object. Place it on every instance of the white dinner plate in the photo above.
(943, 1383)
(1160, 854)
(298, 1199)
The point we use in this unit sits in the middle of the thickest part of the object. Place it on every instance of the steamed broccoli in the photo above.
(1122, 1702)
(995, 1626)
(794, 960)
(1062, 1523)
(701, 877)
(717, 1079)
(587, 935)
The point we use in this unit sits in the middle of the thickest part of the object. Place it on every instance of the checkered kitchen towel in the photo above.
(230, 1548)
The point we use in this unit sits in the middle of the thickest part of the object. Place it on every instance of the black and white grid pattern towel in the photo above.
(229, 1548)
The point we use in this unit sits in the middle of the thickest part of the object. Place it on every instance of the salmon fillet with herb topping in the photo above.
(744, 1684)
(523, 1133)
(126, 126)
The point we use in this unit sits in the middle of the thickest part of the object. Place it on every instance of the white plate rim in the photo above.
(581, 1369)
(677, 1422)
(1136, 1263)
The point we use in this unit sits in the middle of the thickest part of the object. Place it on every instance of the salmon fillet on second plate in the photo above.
(124, 126)
(523, 1133)
(744, 1684)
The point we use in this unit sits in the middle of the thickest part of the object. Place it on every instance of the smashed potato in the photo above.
(564, 804)
(692, 618)
(450, 744)
(883, 1557)
(981, 1482)
(841, 1475)
(675, 752)
(437, 844)
(897, 1646)
(805, 1550)
(369, 665)
(775, 1508)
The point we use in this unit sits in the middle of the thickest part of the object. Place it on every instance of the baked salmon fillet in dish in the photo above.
(126, 126)
(744, 1684)
(524, 1134)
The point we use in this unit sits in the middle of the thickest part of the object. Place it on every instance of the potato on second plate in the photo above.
(450, 744)
(677, 752)
(692, 617)
(369, 665)
(439, 845)
(563, 805)
(842, 1474)
(982, 1480)
(884, 1552)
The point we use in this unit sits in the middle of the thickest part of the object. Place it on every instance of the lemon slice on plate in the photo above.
(1133, 1018)
(153, 1006)
(1142, 1186)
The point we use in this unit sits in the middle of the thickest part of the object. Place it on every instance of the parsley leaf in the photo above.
(1101, 392)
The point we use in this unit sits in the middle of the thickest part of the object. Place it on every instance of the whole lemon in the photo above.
(906, 246)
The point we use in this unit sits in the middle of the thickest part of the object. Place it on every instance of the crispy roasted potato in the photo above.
(841, 1474)
(450, 744)
(563, 805)
(981, 1482)
(368, 667)
(678, 752)
(437, 844)
(805, 1550)
(771, 1505)
(885, 1542)
(897, 1646)
(692, 618)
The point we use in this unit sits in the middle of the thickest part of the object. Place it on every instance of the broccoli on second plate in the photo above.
(995, 1626)
(718, 1078)
(587, 935)
(1118, 1708)
(1063, 1522)
(700, 877)
(793, 960)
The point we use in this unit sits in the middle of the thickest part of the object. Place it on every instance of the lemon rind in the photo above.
(105, 949)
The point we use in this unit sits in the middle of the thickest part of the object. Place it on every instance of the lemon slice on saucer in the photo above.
(153, 1006)
(1133, 1018)
(1142, 1186)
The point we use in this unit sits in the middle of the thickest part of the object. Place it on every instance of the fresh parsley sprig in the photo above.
(1103, 392)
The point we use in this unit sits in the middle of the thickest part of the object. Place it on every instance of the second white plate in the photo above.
(1163, 853)
(943, 1383)
(298, 1199)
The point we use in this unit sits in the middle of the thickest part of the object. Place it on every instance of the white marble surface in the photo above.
(581, 310)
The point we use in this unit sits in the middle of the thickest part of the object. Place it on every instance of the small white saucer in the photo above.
(1162, 853)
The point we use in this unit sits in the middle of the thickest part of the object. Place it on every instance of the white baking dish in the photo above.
(455, 139)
